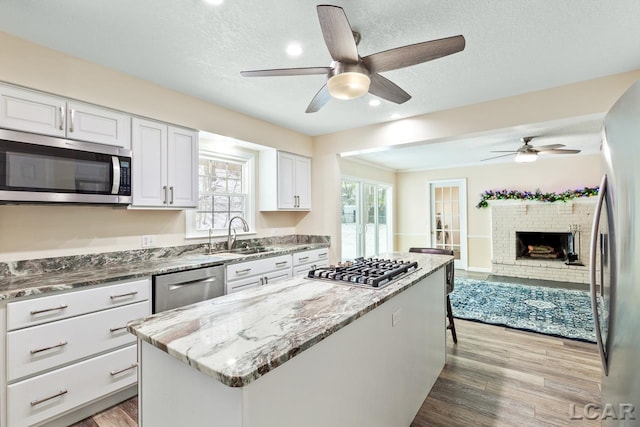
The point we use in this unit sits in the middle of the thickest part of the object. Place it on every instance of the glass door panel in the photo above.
(448, 218)
(351, 220)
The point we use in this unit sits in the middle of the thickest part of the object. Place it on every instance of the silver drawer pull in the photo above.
(61, 307)
(128, 294)
(304, 258)
(118, 329)
(39, 350)
(132, 366)
(322, 255)
(278, 264)
(39, 401)
(246, 270)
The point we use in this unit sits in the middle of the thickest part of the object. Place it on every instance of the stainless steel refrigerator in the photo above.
(615, 263)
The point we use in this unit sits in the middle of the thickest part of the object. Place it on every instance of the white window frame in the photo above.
(248, 179)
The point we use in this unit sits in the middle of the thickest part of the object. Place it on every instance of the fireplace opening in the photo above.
(543, 245)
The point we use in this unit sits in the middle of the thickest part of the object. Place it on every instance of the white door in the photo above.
(32, 111)
(94, 124)
(149, 145)
(448, 222)
(182, 159)
(303, 182)
(286, 188)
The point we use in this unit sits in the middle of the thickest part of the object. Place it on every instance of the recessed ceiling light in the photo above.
(294, 49)
(395, 116)
(214, 2)
(374, 102)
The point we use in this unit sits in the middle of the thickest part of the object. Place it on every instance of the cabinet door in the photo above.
(31, 111)
(182, 167)
(302, 182)
(242, 284)
(286, 177)
(87, 122)
(149, 145)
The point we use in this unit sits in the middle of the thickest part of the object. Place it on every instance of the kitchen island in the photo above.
(297, 353)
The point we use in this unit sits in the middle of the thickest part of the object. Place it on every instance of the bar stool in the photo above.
(449, 272)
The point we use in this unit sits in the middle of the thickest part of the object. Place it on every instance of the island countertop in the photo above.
(238, 338)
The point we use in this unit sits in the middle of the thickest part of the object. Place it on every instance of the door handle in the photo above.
(72, 114)
(171, 191)
(592, 273)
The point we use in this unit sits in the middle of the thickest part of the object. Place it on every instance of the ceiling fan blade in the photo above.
(337, 34)
(497, 157)
(559, 151)
(504, 151)
(418, 53)
(318, 101)
(385, 88)
(287, 72)
(548, 147)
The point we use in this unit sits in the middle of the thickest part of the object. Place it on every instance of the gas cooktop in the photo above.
(371, 273)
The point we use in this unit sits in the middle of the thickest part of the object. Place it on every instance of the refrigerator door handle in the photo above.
(592, 270)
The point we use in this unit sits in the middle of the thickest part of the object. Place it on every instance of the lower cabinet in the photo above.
(310, 260)
(251, 274)
(70, 349)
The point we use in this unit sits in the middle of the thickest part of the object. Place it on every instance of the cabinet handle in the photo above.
(39, 401)
(166, 197)
(61, 111)
(278, 264)
(246, 270)
(118, 328)
(297, 201)
(266, 280)
(39, 350)
(72, 114)
(46, 310)
(132, 366)
(128, 294)
(171, 190)
(304, 258)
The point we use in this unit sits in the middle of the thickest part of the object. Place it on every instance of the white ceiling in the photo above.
(513, 47)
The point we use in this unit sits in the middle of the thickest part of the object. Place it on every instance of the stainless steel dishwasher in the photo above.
(173, 290)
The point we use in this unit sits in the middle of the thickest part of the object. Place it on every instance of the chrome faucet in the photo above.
(231, 240)
(210, 246)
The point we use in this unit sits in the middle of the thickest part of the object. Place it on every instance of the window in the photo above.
(224, 192)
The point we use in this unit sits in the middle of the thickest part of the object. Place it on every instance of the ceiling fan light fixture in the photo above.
(348, 85)
(526, 157)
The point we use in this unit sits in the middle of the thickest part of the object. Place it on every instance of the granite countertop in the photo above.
(36, 284)
(239, 337)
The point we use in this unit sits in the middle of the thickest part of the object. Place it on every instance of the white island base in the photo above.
(370, 373)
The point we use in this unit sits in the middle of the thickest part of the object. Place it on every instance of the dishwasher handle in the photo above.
(193, 282)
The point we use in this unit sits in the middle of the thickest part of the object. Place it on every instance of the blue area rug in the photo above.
(551, 311)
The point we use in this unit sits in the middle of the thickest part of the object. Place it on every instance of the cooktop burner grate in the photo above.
(372, 273)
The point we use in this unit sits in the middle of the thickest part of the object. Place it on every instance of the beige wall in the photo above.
(547, 175)
(585, 98)
(42, 231)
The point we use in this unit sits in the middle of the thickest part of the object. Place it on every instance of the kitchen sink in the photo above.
(249, 251)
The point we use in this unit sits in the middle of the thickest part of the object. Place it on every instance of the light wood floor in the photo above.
(495, 376)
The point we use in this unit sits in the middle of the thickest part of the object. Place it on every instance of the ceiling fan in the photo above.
(350, 75)
(529, 153)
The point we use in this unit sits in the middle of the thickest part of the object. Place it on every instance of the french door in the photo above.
(448, 223)
(366, 219)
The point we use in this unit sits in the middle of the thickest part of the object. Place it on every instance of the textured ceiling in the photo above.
(513, 47)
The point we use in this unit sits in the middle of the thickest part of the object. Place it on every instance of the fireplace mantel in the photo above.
(511, 216)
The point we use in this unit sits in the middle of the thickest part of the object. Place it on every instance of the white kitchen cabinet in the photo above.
(264, 271)
(285, 181)
(165, 165)
(70, 349)
(304, 261)
(42, 113)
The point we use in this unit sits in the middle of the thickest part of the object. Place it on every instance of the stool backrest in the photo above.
(439, 251)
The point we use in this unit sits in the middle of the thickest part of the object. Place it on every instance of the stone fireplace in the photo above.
(539, 240)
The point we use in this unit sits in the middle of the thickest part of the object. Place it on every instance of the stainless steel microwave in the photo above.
(37, 168)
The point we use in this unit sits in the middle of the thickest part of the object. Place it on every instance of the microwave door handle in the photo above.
(115, 187)
(592, 272)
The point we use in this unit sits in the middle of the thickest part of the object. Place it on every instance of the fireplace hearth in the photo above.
(552, 246)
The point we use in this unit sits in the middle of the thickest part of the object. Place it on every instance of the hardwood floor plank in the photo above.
(115, 417)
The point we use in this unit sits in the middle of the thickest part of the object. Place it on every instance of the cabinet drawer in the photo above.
(35, 311)
(50, 345)
(314, 256)
(302, 270)
(259, 266)
(32, 401)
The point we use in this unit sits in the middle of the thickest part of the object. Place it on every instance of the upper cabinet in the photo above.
(165, 165)
(37, 112)
(285, 181)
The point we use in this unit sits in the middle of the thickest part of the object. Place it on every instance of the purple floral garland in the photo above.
(537, 195)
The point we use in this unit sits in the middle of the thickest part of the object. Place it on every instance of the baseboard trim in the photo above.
(479, 269)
